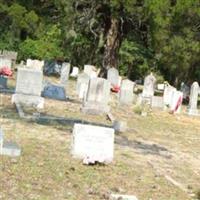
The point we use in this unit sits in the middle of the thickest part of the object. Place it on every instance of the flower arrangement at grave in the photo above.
(6, 71)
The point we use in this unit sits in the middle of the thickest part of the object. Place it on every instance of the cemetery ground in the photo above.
(157, 158)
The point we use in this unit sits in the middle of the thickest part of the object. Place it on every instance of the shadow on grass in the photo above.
(143, 148)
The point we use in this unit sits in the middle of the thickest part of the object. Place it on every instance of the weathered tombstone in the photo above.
(29, 87)
(120, 126)
(122, 197)
(194, 92)
(126, 92)
(97, 97)
(113, 76)
(93, 143)
(75, 71)
(54, 91)
(82, 85)
(11, 149)
(149, 86)
(157, 102)
(5, 62)
(64, 76)
(3, 82)
(35, 64)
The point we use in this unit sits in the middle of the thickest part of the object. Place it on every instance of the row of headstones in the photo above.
(171, 96)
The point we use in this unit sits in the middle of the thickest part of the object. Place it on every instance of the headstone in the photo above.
(11, 149)
(176, 102)
(122, 197)
(161, 87)
(54, 91)
(35, 64)
(5, 62)
(29, 81)
(194, 93)
(157, 102)
(3, 82)
(12, 55)
(149, 86)
(185, 89)
(94, 143)
(64, 76)
(90, 70)
(167, 95)
(75, 71)
(126, 92)
(113, 76)
(82, 85)
(97, 97)
(29, 87)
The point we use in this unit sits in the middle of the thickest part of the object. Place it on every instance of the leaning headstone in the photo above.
(75, 71)
(149, 86)
(122, 197)
(11, 149)
(97, 97)
(157, 102)
(194, 93)
(29, 87)
(93, 143)
(113, 76)
(64, 76)
(54, 91)
(82, 85)
(126, 92)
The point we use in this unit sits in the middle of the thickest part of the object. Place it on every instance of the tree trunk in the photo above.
(112, 45)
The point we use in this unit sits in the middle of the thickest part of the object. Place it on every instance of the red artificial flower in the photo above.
(6, 71)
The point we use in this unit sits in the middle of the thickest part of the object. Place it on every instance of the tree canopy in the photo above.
(135, 36)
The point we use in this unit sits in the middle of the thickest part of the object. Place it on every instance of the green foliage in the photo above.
(160, 36)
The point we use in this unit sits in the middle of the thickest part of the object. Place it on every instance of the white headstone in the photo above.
(176, 101)
(64, 76)
(167, 96)
(194, 93)
(35, 64)
(93, 143)
(29, 87)
(90, 70)
(82, 85)
(75, 71)
(97, 97)
(149, 86)
(113, 76)
(29, 81)
(126, 92)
